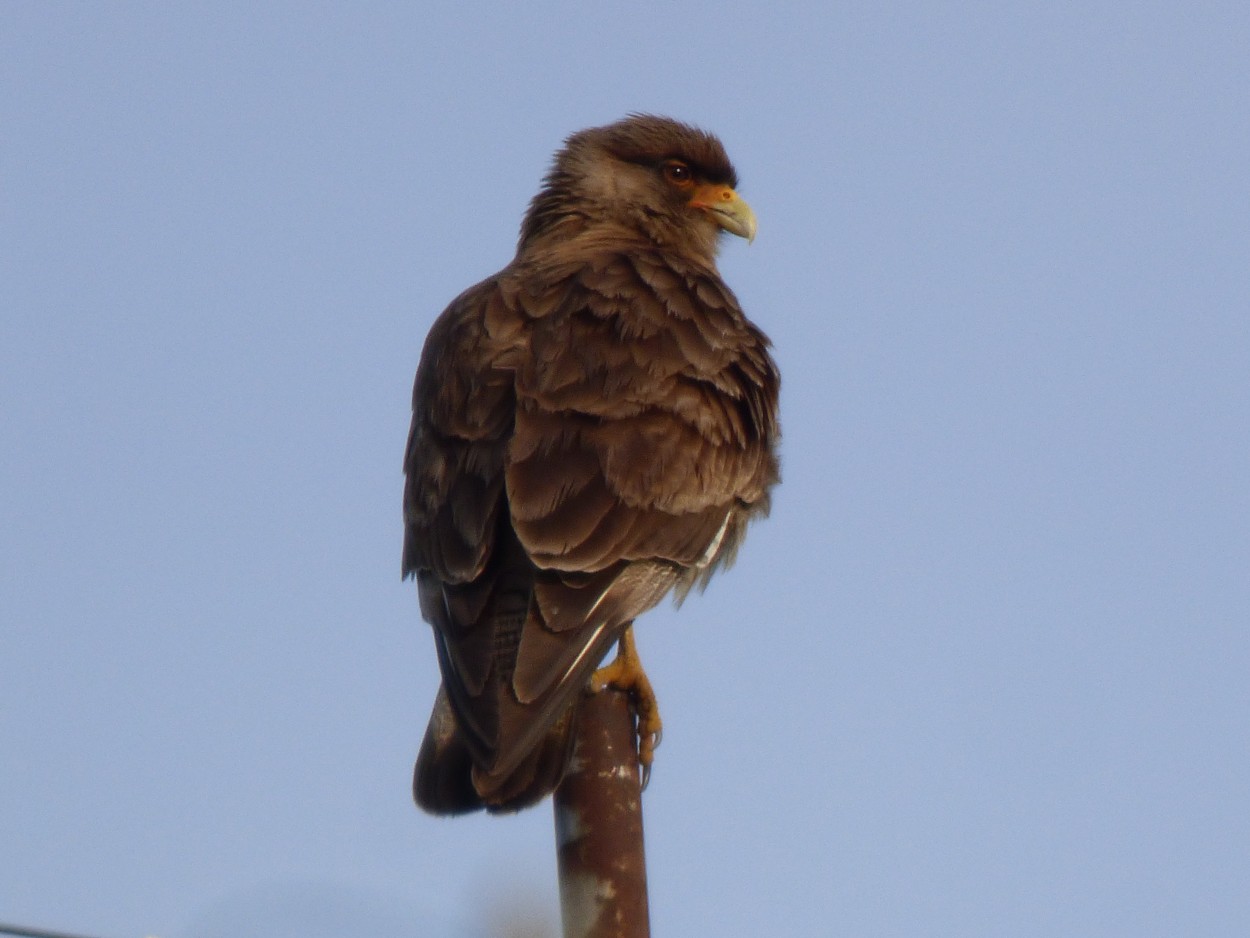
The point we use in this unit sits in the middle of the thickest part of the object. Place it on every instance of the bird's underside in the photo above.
(592, 429)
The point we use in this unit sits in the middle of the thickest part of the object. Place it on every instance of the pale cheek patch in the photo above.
(611, 182)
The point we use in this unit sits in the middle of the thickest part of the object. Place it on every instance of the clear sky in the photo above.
(983, 672)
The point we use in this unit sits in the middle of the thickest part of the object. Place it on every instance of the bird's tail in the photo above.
(447, 782)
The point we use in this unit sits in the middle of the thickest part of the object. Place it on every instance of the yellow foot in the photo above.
(626, 673)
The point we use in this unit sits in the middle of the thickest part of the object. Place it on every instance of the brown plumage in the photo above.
(593, 426)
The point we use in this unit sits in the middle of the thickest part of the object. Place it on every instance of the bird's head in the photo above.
(654, 176)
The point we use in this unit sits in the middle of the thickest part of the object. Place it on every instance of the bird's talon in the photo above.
(625, 673)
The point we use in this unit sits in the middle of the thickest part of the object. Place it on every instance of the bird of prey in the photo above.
(593, 426)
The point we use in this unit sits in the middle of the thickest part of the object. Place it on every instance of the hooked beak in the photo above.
(727, 208)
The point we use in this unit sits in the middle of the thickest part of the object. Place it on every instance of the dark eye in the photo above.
(678, 173)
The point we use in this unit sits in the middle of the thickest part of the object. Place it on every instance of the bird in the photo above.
(592, 429)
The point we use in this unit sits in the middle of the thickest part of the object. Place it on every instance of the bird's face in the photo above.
(722, 205)
(664, 180)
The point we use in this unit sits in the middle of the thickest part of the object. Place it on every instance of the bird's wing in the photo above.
(463, 405)
(646, 414)
(478, 586)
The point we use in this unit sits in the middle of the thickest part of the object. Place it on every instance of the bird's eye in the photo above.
(678, 173)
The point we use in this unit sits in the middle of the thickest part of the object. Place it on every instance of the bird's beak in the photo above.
(727, 209)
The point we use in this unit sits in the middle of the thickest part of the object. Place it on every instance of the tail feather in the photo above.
(447, 782)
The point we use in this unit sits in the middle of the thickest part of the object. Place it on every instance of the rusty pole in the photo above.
(598, 808)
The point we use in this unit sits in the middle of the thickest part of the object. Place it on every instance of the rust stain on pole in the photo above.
(598, 808)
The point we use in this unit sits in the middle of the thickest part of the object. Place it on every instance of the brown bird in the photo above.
(593, 426)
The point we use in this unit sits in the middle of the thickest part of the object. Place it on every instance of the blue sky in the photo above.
(983, 672)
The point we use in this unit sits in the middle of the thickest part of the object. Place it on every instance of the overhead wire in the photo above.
(20, 931)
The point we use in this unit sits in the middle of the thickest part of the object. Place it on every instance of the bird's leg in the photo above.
(626, 673)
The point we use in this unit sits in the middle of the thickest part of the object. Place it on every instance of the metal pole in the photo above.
(598, 808)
